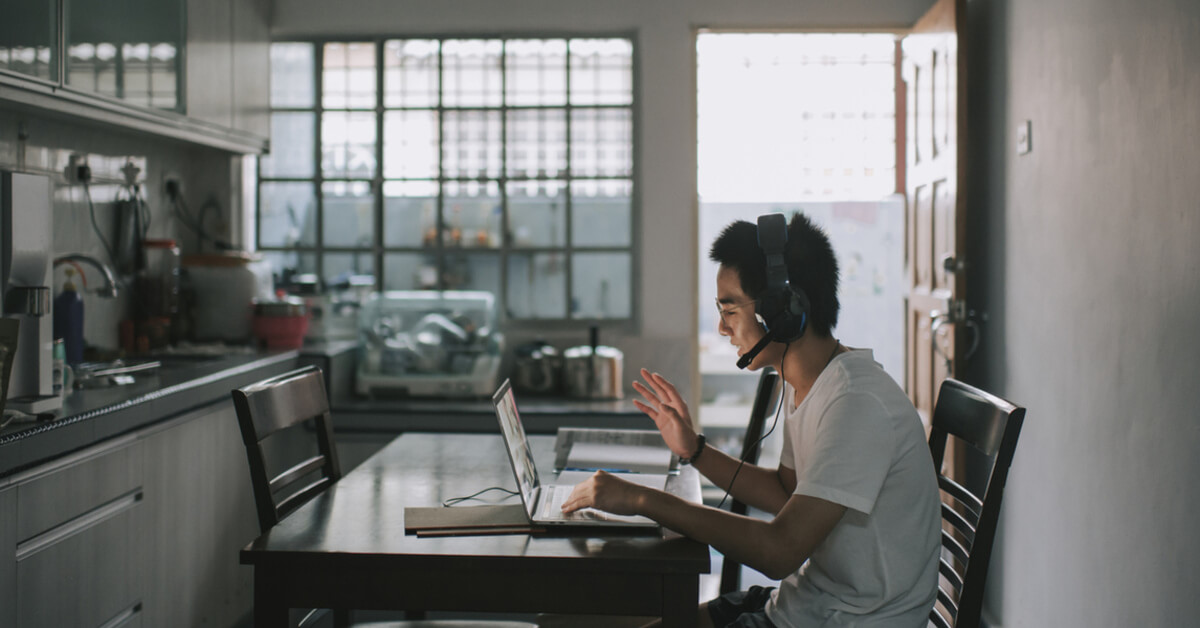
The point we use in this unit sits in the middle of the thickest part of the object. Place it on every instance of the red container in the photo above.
(280, 324)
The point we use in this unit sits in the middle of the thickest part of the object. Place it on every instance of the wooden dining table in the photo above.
(347, 548)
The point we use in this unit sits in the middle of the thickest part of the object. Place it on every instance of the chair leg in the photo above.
(341, 618)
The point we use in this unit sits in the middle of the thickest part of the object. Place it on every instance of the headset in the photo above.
(782, 309)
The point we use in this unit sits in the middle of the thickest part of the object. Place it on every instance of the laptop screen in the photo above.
(518, 446)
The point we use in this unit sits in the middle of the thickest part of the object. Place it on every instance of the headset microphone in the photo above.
(749, 356)
(782, 308)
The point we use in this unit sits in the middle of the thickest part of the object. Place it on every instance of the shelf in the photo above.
(41, 98)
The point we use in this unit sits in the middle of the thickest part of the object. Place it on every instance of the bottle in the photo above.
(58, 366)
(68, 320)
(158, 287)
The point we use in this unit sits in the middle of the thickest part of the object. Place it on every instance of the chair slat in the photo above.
(965, 527)
(950, 605)
(286, 505)
(956, 548)
(966, 497)
(936, 618)
(950, 574)
(299, 470)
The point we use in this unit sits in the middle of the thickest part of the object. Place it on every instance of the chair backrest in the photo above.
(991, 426)
(751, 447)
(274, 405)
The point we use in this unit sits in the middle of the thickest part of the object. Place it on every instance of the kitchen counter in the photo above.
(93, 415)
(540, 414)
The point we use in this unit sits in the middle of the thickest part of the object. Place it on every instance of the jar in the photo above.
(158, 291)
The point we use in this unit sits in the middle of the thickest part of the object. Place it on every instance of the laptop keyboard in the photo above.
(552, 500)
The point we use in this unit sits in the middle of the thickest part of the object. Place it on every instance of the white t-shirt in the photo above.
(856, 440)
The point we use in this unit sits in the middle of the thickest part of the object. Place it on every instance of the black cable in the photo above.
(112, 259)
(189, 221)
(746, 451)
(456, 500)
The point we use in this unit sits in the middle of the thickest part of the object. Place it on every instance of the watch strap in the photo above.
(700, 441)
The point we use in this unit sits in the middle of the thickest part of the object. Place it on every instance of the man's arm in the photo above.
(757, 486)
(765, 489)
(776, 548)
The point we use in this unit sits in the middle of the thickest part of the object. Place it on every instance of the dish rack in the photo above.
(423, 343)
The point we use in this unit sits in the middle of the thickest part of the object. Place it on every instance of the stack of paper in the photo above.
(618, 458)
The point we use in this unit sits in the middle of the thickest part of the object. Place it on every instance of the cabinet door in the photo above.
(209, 61)
(80, 528)
(199, 496)
(129, 50)
(8, 561)
(251, 66)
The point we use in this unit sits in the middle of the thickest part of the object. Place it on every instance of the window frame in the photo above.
(378, 249)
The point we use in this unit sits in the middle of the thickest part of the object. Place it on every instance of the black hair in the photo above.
(811, 263)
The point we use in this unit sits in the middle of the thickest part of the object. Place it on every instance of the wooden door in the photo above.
(938, 329)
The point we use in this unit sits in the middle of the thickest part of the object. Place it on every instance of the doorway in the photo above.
(800, 122)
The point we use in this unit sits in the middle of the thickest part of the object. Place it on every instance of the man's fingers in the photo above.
(667, 387)
(646, 393)
(650, 379)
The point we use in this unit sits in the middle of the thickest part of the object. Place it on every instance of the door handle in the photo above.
(952, 264)
(939, 319)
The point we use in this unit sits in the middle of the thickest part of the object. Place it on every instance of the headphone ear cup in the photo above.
(784, 310)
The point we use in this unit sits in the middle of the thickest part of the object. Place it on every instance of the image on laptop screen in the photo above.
(514, 436)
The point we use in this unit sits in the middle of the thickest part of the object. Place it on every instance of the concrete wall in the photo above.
(1088, 267)
(665, 33)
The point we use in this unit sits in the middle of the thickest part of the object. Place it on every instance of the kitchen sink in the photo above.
(111, 373)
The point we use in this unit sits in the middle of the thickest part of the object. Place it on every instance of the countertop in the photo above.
(90, 416)
(182, 383)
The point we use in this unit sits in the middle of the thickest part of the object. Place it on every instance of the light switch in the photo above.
(1025, 137)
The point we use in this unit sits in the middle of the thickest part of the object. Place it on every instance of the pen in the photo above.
(606, 469)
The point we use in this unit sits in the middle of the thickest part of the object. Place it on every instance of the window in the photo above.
(503, 165)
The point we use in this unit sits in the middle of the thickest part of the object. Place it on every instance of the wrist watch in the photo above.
(700, 440)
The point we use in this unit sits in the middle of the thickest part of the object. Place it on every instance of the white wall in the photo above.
(665, 34)
(50, 141)
(1091, 274)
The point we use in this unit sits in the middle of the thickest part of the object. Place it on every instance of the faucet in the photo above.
(109, 289)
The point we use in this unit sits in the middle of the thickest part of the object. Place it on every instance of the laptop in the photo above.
(543, 502)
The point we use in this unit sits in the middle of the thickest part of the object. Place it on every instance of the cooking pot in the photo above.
(593, 372)
(537, 368)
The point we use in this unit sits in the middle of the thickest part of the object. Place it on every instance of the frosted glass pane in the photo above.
(600, 285)
(287, 214)
(537, 285)
(410, 73)
(348, 215)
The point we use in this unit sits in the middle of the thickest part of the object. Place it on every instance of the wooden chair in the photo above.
(285, 402)
(990, 425)
(293, 401)
(731, 572)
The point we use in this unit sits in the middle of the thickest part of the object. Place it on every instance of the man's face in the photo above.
(737, 320)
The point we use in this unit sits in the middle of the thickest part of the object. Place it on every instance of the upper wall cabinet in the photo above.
(195, 70)
(131, 50)
(228, 63)
(29, 39)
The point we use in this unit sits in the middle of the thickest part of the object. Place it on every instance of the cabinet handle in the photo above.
(89, 519)
(124, 617)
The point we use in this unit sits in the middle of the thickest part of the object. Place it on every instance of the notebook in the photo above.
(543, 502)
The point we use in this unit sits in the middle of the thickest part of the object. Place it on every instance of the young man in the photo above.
(855, 533)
